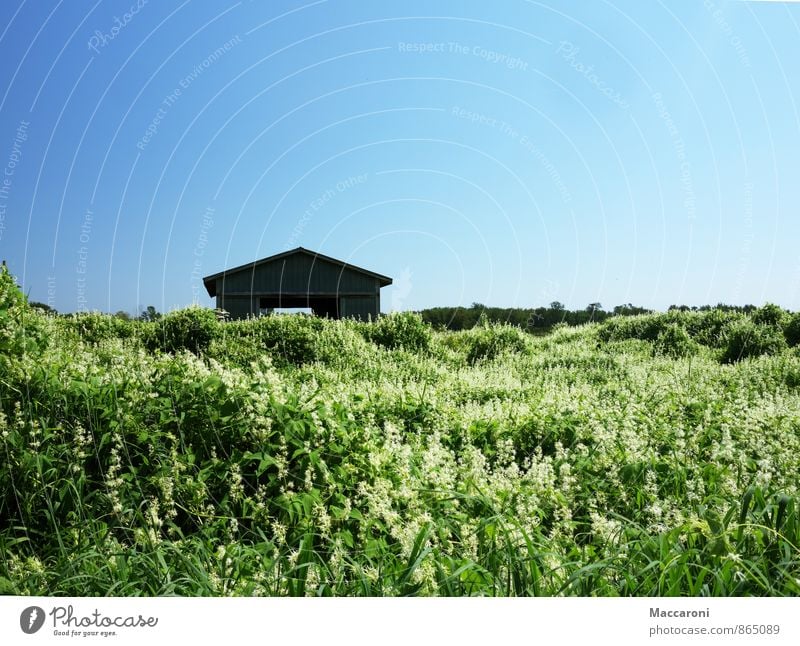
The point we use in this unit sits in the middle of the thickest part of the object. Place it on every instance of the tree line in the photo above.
(531, 319)
(544, 318)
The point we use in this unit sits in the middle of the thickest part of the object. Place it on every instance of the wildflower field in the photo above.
(288, 455)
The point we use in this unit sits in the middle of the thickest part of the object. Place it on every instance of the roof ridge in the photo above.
(208, 280)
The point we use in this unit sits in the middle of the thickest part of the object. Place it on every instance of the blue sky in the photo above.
(510, 153)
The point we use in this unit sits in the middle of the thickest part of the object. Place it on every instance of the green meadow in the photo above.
(646, 455)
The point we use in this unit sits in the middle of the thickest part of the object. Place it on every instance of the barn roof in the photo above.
(210, 282)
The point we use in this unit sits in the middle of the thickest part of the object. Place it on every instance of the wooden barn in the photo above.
(299, 278)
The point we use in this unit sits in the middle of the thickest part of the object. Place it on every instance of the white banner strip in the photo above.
(42, 620)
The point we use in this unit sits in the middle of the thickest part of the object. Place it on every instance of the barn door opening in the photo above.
(291, 304)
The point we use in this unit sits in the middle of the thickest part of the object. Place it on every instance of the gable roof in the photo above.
(210, 282)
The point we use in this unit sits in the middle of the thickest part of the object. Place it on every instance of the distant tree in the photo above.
(121, 314)
(594, 307)
(150, 314)
(558, 306)
(535, 319)
(629, 309)
(43, 306)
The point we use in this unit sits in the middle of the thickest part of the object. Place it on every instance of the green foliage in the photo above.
(491, 341)
(745, 339)
(43, 306)
(792, 330)
(288, 455)
(21, 330)
(646, 327)
(710, 554)
(192, 328)
(239, 350)
(95, 327)
(709, 328)
(539, 319)
(11, 297)
(770, 314)
(400, 330)
(675, 342)
(149, 314)
(289, 339)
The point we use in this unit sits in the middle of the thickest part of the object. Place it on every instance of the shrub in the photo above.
(745, 339)
(236, 350)
(770, 314)
(20, 328)
(339, 341)
(94, 327)
(674, 342)
(645, 327)
(404, 330)
(456, 341)
(491, 341)
(792, 330)
(708, 328)
(192, 328)
(290, 338)
(705, 328)
(11, 296)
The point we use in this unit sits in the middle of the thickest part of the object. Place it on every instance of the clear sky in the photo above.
(511, 153)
